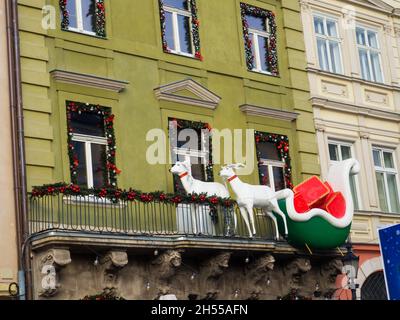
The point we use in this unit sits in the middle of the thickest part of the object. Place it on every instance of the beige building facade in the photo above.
(8, 228)
(353, 61)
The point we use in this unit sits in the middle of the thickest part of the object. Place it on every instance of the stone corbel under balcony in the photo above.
(88, 80)
(202, 96)
(258, 111)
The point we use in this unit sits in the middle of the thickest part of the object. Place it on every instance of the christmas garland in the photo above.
(194, 29)
(100, 13)
(187, 124)
(110, 175)
(282, 145)
(130, 195)
(272, 54)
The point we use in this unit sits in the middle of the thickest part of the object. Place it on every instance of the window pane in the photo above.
(360, 36)
(98, 156)
(393, 193)
(88, 15)
(80, 154)
(179, 4)
(71, 8)
(372, 39)
(319, 25)
(264, 176)
(335, 57)
(331, 26)
(364, 64)
(382, 192)
(353, 187)
(376, 67)
(388, 159)
(333, 152)
(87, 123)
(346, 152)
(322, 55)
(279, 180)
(185, 34)
(198, 171)
(263, 47)
(169, 31)
(268, 151)
(377, 158)
(256, 23)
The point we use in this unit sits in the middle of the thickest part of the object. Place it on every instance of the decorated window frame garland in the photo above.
(195, 24)
(272, 58)
(198, 125)
(111, 171)
(282, 145)
(100, 13)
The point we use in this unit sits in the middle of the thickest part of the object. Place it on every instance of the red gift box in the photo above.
(313, 190)
(300, 204)
(336, 205)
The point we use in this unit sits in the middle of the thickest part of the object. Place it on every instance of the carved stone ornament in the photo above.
(296, 269)
(215, 266)
(165, 264)
(111, 264)
(50, 263)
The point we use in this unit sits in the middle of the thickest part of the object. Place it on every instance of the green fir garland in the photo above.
(272, 54)
(111, 171)
(130, 195)
(282, 145)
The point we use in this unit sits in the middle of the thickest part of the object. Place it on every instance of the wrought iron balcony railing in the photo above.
(100, 215)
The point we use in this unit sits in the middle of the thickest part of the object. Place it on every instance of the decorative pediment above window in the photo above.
(252, 110)
(89, 80)
(188, 92)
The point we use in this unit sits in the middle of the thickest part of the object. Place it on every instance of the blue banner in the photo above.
(389, 239)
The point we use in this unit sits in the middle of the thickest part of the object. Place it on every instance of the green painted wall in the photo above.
(132, 52)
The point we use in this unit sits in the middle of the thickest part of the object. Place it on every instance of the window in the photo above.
(180, 27)
(340, 151)
(369, 54)
(91, 145)
(259, 32)
(386, 179)
(84, 16)
(191, 141)
(328, 44)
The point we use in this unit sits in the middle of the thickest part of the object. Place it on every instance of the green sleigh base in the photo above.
(316, 233)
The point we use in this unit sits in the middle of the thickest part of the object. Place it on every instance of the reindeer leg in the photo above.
(251, 216)
(243, 212)
(277, 210)
(273, 218)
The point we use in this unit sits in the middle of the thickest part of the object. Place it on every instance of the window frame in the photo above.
(368, 49)
(327, 39)
(256, 47)
(386, 171)
(340, 143)
(271, 164)
(79, 19)
(88, 140)
(175, 26)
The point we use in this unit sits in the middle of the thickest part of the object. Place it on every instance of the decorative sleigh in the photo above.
(317, 228)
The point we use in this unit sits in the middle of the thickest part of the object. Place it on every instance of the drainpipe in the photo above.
(18, 150)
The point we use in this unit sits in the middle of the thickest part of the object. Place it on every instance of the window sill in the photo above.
(266, 73)
(85, 33)
(181, 54)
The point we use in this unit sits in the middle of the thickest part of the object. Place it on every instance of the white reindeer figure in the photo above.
(250, 196)
(192, 185)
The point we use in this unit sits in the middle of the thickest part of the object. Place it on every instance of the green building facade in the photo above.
(124, 67)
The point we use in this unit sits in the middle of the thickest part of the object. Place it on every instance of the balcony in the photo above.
(59, 218)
